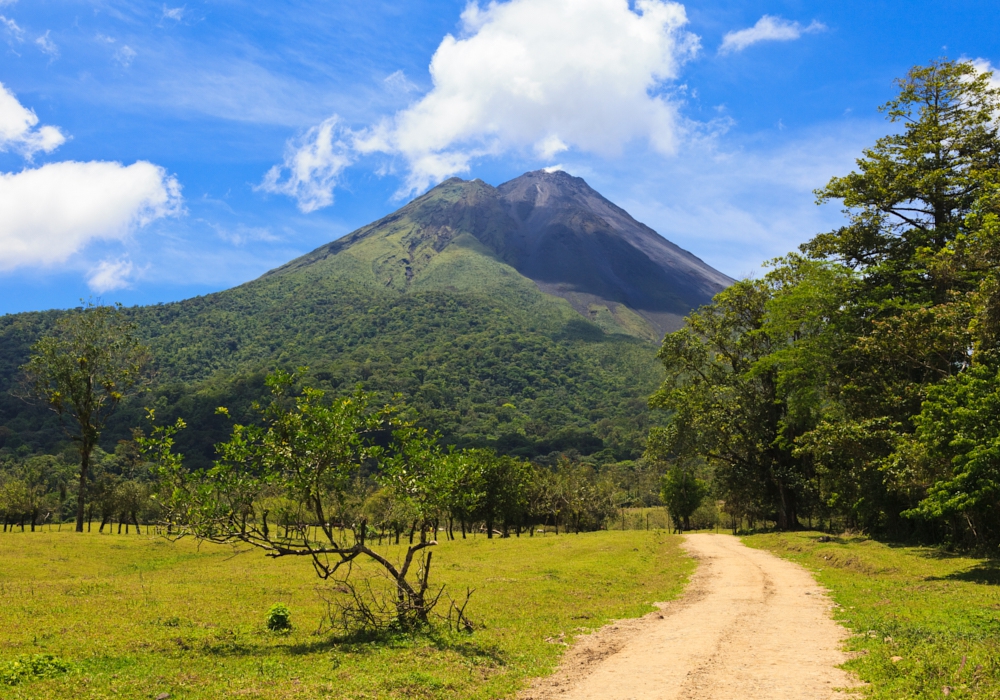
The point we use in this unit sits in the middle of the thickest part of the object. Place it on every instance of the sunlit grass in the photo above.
(923, 620)
(137, 617)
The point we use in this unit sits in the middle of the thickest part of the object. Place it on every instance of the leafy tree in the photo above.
(726, 406)
(90, 363)
(957, 447)
(682, 494)
(908, 318)
(504, 481)
(303, 461)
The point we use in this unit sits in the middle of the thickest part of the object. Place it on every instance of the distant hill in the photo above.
(524, 316)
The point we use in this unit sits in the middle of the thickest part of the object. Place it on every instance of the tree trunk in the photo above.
(81, 495)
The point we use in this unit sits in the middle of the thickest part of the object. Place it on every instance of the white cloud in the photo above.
(544, 76)
(17, 128)
(110, 275)
(398, 82)
(242, 234)
(47, 46)
(174, 13)
(768, 28)
(12, 29)
(53, 211)
(984, 66)
(312, 166)
(125, 55)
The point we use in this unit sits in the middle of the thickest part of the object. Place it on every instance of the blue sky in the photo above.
(153, 151)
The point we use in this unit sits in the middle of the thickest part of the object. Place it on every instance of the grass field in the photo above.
(139, 617)
(926, 623)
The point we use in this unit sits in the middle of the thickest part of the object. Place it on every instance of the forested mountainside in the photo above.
(525, 317)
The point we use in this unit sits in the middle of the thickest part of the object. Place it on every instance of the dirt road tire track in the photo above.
(750, 626)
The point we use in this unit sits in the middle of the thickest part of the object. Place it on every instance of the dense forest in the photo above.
(858, 381)
(485, 372)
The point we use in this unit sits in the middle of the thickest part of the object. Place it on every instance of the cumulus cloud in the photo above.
(984, 66)
(47, 46)
(543, 76)
(53, 211)
(110, 275)
(768, 28)
(312, 166)
(18, 130)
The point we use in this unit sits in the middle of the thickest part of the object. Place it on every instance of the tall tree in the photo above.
(726, 406)
(908, 202)
(92, 361)
(904, 323)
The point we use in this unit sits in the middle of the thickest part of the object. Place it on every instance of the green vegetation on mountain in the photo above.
(414, 304)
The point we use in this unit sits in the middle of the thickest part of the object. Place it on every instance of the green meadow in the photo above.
(925, 623)
(115, 616)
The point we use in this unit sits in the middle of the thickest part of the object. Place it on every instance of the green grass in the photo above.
(134, 617)
(936, 614)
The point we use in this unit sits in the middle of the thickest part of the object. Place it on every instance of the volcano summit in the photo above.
(553, 229)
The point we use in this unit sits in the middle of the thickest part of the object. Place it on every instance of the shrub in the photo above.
(279, 618)
(30, 668)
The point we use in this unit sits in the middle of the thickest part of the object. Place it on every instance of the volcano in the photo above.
(524, 317)
(553, 229)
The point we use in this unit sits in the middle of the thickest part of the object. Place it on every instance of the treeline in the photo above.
(858, 382)
(39, 490)
(480, 491)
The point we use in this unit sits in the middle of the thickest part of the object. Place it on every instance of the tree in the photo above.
(682, 493)
(302, 463)
(909, 204)
(504, 487)
(92, 361)
(913, 190)
(957, 446)
(918, 306)
(726, 406)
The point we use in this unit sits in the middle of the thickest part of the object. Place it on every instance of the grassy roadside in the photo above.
(138, 617)
(926, 623)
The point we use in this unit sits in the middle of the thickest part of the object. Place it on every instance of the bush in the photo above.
(706, 516)
(30, 668)
(279, 618)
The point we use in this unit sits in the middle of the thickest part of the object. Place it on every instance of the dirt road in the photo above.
(750, 627)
